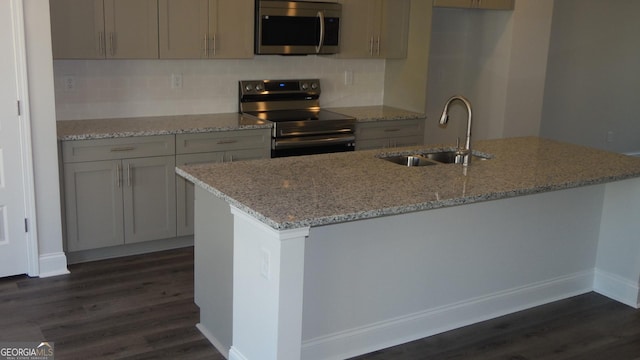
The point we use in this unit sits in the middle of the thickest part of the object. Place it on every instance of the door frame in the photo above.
(17, 16)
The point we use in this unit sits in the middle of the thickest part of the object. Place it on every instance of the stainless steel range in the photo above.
(300, 126)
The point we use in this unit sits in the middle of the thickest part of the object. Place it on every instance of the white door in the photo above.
(13, 237)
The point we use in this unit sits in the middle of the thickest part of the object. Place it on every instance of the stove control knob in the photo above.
(259, 87)
(305, 86)
(314, 86)
(248, 87)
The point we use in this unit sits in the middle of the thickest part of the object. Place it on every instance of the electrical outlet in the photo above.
(265, 263)
(176, 81)
(69, 82)
(610, 136)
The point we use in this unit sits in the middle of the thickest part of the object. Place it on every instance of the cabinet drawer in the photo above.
(384, 143)
(386, 129)
(222, 141)
(118, 148)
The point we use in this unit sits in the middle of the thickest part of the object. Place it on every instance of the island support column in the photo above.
(268, 275)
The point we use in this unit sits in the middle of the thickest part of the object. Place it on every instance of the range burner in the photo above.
(300, 126)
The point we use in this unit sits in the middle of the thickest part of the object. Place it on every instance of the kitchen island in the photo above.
(331, 256)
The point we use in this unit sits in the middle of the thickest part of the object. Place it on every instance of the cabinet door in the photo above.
(93, 201)
(455, 3)
(374, 28)
(496, 4)
(394, 29)
(184, 28)
(185, 189)
(232, 29)
(131, 28)
(358, 28)
(77, 29)
(149, 198)
(476, 4)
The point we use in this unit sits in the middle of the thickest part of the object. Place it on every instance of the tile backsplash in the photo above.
(94, 89)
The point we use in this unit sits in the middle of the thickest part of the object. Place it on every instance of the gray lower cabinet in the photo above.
(389, 133)
(119, 191)
(224, 146)
(476, 4)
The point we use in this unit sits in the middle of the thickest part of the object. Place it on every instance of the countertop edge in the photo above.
(399, 210)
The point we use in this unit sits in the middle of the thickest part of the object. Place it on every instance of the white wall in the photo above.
(495, 58)
(43, 132)
(129, 88)
(593, 81)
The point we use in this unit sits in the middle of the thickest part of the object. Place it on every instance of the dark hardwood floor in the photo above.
(141, 307)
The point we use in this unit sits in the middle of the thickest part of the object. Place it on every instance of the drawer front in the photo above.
(223, 141)
(386, 129)
(118, 148)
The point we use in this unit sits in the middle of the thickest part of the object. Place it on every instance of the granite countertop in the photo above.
(184, 124)
(293, 192)
(377, 113)
(155, 125)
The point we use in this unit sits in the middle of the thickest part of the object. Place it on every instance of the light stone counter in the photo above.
(155, 125)
(296, 192)
(377, 113)
(183, 124)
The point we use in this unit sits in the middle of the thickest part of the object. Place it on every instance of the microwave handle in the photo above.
(321, 43)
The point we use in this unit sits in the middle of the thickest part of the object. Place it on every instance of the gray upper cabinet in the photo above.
(77, 29)
(201, 29)
(104, 29)
(374, 28)
(476, 4)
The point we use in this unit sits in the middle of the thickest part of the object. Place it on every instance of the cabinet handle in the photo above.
(213, 41)
(371, 46)
(118, 176)
(101, 43)
(120, 149)
(206, 45)
(223, 142)
(378, 46)
(392, 130)
(112, 50)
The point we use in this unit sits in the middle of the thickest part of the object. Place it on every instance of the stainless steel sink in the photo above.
(445, 157)
(410, 160)
(429, 158)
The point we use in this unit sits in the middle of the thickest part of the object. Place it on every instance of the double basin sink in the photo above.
(430, 158)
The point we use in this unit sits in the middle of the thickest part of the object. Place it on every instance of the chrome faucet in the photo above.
(463, 155)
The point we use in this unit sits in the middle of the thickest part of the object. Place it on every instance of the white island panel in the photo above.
(376, 283)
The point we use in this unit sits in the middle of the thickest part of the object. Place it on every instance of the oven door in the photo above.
(297, 28)
(310, 145)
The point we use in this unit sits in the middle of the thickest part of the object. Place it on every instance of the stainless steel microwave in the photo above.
(297, 27)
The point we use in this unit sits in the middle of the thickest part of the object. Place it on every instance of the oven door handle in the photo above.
(312, 142)
(315, 133)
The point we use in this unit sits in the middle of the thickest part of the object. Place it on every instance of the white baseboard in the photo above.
(212, 339)
(53, 264)
(415, 326)
(234, 354)
(617, 288)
